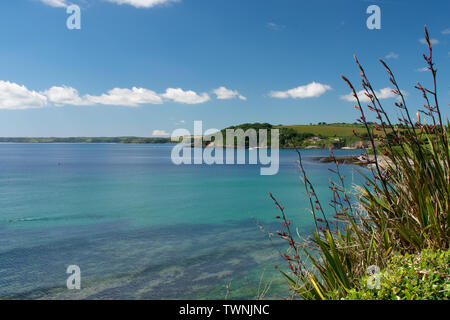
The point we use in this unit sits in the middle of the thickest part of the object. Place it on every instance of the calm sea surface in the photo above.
(140, 227)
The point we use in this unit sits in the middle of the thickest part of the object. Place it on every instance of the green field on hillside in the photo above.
(335, 135)
(329, 130)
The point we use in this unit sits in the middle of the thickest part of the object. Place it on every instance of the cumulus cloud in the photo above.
(446, 31)
(65, 96)
(116, 97)
(56, 3)
(14, 96)
(126, 97)
(392, 55)
(187, 97)
(223, 93)
(143, 3)
(385, 93)
(160, 133)
(433, 41)
(311, 90)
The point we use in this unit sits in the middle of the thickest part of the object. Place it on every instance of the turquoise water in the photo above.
(140, 227)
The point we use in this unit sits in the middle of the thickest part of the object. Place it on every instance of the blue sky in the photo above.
(144, 67)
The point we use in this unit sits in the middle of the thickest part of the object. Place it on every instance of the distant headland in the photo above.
(312, 136)
(135, 140)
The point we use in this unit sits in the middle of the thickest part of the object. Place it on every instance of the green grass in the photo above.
(329, 130)
(300, 135)
(423, 276)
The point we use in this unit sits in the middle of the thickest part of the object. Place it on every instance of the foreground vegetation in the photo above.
(424, 275)
(398, 221)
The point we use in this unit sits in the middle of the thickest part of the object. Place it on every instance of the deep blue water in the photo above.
(140, 227)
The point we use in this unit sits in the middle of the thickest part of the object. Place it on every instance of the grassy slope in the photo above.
(336, 135)
(329, 130)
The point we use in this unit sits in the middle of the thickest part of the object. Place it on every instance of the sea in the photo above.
(140, 227)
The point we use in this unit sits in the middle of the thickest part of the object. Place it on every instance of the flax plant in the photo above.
(402, 208)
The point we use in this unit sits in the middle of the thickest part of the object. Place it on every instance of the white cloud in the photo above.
(311, 90)
(134, 3)
(433, 41)
(126, 97)
(446, 31)
(56, 3)
(385, 93)
(392, 55)
(424, 69)
(223, 93)
(160, 133)
(14, 96)
(274, 26)
(187, 97)
(116, 97)
(65, 96)
(143, 3)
